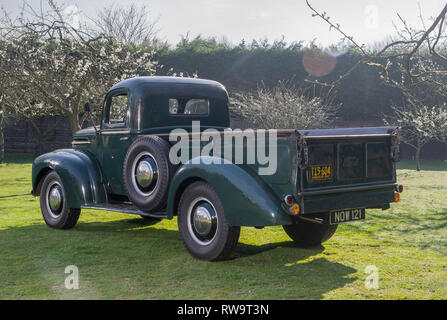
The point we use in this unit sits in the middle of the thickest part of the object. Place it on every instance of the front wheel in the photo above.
(53, 204)
(307, 234)
(202, 225)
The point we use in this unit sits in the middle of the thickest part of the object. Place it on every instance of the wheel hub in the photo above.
(202, 220)
(144, 174)
(55, 197)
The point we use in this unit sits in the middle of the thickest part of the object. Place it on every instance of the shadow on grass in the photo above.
(274, 270)
(424, 222)
(425, 231)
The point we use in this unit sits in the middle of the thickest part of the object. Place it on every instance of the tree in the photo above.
(129, 25)
(19, 104)
(421, 58)
(418, 124)
(283, 107)
(62, 66)
(422, 115)
(2, 124)
(411, 44)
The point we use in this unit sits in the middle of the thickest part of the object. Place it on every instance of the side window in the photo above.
(197, 106)
(189, 106)
(117, 111)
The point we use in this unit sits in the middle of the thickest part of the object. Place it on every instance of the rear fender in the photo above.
(246, 198)
(81, 176)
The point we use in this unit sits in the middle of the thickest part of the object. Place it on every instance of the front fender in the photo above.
(247, 200)
(81, 176)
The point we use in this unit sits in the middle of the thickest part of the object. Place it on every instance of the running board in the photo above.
(126, 208)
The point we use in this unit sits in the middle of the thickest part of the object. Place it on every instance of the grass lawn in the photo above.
(122, 256)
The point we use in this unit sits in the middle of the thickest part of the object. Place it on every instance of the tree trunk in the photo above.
(41, 138)
(38, 148)
(74, 123)
(418, 158)
(2, 138)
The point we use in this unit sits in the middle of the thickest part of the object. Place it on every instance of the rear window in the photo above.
(189, 106)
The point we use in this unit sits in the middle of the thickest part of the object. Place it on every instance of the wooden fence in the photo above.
(20, 138)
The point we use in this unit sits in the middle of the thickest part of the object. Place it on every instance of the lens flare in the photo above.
(318, 63)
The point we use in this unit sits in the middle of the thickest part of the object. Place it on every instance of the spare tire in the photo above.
(147, 173)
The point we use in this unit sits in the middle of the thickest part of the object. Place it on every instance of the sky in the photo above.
(368, 21)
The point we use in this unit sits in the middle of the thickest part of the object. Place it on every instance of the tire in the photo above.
(210, 238)
(53, 204)
(307, 234)
(147, 173)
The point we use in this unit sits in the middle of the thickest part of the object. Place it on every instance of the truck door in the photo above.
(115, 138)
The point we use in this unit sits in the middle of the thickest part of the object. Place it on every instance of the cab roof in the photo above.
(149, 102)
(155, 81)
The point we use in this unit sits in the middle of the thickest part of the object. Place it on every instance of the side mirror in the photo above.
(87, 107)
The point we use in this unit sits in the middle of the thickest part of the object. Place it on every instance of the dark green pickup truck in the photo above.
(164, 149)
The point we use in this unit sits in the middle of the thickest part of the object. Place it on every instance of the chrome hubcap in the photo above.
(202, 219)
(55, 198)
(145, 173)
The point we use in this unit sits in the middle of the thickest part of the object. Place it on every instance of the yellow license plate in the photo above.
(321, 172)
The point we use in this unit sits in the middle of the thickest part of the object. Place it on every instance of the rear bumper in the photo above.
(367, 196)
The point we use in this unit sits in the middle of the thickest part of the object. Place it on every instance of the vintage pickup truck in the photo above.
(322, 177)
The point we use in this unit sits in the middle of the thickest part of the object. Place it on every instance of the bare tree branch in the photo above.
(129, 25)
(283, 107)
(405, 47)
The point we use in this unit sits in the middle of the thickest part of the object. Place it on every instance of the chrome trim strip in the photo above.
(80, 142)
(116, 132)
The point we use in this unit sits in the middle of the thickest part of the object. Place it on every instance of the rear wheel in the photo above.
(307, 234)
(202, 225)
(53, 204)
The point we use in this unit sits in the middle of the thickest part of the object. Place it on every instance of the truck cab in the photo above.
(130, 163)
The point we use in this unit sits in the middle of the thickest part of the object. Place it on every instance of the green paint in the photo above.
(93, 169)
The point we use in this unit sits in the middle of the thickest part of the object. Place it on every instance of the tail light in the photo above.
(288, 200)
(293, 207)
(399, 188)
(396, 197)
